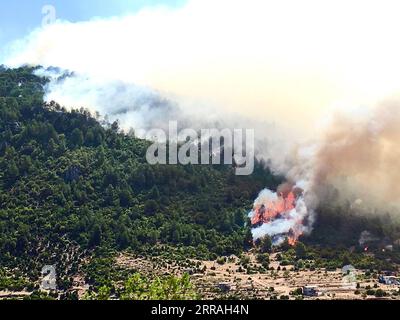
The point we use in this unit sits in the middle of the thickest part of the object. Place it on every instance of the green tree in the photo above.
(167, 288)
(300, 250)
(150, 207)
(12, 173)
(123, 239)
(26, 164)
(263, 258)
(52, 146)
(239, 218)
(154, 193)
(266, 244)
(95, 238)
(104, 293)
(125, 198)
(77, 138)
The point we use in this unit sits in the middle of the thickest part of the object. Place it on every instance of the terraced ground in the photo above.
(229, 280)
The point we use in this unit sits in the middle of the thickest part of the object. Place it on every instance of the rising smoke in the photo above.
(359, 156)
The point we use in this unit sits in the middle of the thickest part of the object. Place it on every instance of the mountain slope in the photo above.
(70, 186)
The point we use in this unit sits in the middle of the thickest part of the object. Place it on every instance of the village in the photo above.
(227, 278)
(244, 277)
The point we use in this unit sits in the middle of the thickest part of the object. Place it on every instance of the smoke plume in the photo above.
(287, 62)
(359, 156)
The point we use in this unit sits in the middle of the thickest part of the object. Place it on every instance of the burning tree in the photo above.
(280, 215)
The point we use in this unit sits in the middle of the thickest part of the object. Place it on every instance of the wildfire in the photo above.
(280, 215)
(265, 213)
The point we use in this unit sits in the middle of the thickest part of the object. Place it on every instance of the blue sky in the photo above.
(19, 17)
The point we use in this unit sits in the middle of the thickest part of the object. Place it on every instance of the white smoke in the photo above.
(274, 228)
(265, 196)
(366, 237)
(132, 105)
(283, 61)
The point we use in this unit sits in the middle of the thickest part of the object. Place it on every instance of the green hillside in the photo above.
(70, 187)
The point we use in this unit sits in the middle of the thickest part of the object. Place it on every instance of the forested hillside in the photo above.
(75, 192)
(70, 186)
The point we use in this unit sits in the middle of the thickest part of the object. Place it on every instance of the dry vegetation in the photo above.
(231, 280)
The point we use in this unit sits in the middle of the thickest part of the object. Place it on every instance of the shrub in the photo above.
(380, 293)
(371, 292)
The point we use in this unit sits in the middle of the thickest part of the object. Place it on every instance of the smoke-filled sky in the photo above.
(285, 61)
(296, 64)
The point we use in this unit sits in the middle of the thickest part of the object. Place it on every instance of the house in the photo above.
(224, 286)
(388, 280)
(310, 291)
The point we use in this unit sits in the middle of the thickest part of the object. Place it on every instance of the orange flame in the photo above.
(279, 209)
(274, 209)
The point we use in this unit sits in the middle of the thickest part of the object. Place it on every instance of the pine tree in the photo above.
(77, 138)
(95, 238)
(12, 173)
